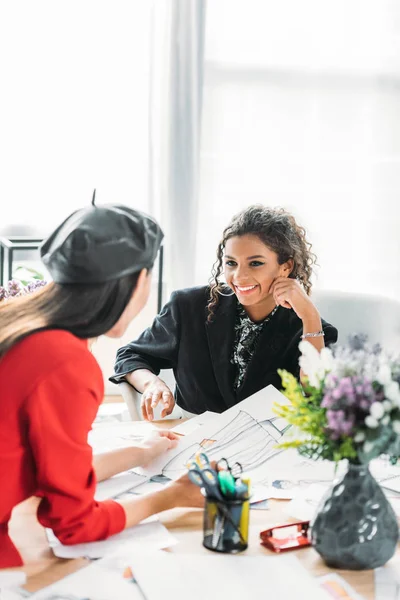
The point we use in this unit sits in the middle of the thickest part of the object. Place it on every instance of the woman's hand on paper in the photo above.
(157, 391)
(156, 443)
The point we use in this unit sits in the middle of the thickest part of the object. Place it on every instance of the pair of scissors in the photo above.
(235, 470)
(201, 460)
(206, 478)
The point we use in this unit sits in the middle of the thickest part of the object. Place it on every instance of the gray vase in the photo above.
(355, 526)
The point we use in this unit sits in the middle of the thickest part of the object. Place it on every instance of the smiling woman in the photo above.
(226, 341)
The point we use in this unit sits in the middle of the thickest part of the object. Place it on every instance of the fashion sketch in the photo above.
(244, 440)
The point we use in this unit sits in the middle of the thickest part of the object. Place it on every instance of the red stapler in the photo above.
(286, 537)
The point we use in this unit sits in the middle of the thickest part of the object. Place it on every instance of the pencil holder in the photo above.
(226, 525)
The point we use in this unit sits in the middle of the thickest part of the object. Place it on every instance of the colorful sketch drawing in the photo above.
(243, 440)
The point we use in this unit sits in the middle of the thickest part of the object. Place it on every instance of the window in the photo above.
(301, 109)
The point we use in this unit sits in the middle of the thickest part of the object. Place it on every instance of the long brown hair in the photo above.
(87, 311)
(278, 230)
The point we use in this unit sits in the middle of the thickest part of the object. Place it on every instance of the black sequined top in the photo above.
(246, 335)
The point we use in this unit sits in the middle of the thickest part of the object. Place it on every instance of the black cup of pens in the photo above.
(226, 511)
(226, 525)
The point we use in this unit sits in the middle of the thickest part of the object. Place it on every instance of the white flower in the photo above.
(327, 359)
(387, 405)
(392, 392)
(371, 422)
(359, 437)
(368, 447)
(377, 410)
(385, 420)
(384, 375)
(396, 427)
(312, 363)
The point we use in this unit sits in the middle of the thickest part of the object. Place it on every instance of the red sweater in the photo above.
(50, 389)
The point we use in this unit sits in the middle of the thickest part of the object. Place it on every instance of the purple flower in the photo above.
(339, 423)
(327, 401)
(365, 404)
(34, 285)
(14, 287)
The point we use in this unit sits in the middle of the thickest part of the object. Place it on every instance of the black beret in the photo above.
(101, 243)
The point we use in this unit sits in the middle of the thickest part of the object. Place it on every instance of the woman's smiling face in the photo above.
(250, 267)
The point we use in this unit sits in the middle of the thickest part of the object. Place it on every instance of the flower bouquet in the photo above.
(31, 281)
(348, 407)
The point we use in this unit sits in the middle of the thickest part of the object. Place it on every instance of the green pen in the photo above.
(227, 484)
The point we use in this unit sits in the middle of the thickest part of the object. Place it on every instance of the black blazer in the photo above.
(199, 352)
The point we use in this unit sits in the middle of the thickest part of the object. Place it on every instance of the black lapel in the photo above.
(221, 334)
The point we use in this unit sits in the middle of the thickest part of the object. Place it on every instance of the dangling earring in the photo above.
(225, 295)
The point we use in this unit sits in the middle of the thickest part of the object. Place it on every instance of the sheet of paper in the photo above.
(386, 474)
(223, 576)
(395, 502)
(260, 505)
(115, 486)
(387, 581)
(9, 579)
(305, 505)
(392, 484)
(248, 433)
(338, 588)
(194, 423)
(104, 438)
(91, 583)
(13, 594)
(146, 536)
(145, 488)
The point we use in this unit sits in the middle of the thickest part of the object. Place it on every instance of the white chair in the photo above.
(376, 316)
(132, 398)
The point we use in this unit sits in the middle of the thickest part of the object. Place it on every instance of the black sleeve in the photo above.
(156, 348)
(331, 335)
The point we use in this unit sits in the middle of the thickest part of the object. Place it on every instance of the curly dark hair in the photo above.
(278, 230)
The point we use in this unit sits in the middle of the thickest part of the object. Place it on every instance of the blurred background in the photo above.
(192, 110)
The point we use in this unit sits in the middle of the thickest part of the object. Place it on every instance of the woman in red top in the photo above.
(51, 386)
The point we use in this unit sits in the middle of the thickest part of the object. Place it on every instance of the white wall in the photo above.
(105, 349)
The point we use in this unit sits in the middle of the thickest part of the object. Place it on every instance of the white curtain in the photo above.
(301, 109)
(175, 114)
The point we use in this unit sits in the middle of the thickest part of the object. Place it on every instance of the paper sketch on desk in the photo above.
(247, 433)
(338, 588)
(386, 474)
(219, 576)
(289, 474)
(10, 579)
(91, 583)
(194, 423)
(13, 594)
(104, 438)
(391, 483)
(117, 485)
(243, 439)
(10, 582)
(146, 536)
(387, 581)
(304, 506)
